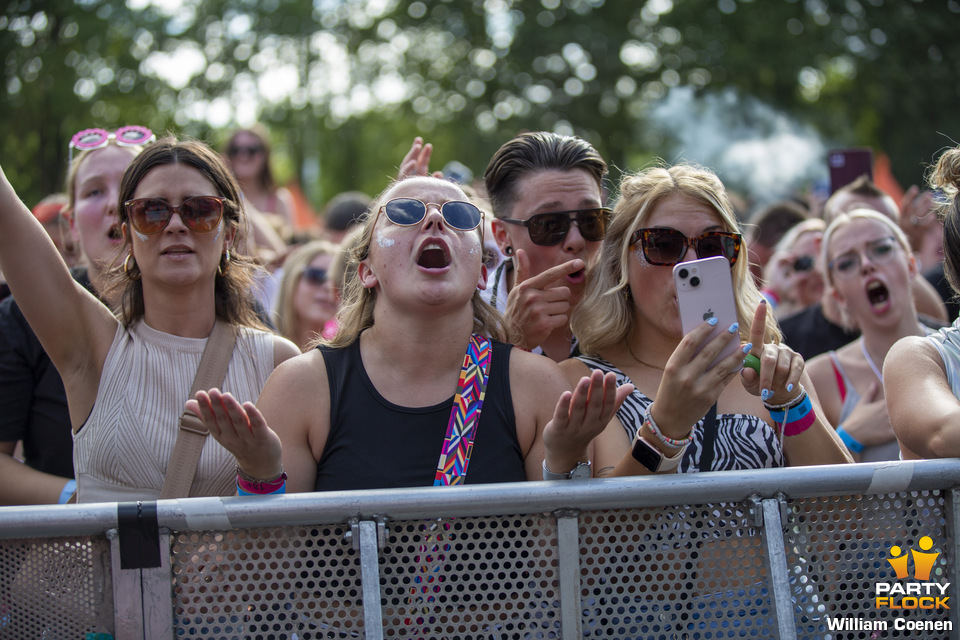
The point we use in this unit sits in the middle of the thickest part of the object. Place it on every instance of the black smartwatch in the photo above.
(651, 458)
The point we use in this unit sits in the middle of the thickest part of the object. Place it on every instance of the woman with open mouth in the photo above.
(394, 399)
(870, 270)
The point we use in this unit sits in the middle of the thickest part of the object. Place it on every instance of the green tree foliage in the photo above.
(344, 85)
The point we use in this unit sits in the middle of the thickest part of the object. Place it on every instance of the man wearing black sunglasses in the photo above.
(546, 191)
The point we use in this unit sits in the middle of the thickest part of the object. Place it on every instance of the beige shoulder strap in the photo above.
(193, 433)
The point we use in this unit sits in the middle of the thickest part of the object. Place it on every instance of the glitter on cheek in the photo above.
(384, 241)
(216, 238)
(142, 237)
(638, 256)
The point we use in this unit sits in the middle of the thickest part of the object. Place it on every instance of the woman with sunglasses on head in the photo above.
(374, 407)
(307, 300)
(179, 273)
(685, 415)
(33, 403)
(870, 272)
(921, 375)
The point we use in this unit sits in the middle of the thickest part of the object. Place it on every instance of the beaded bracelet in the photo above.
(789, 404)
(670, 442)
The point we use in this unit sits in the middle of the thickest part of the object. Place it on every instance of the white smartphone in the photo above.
(704, 291)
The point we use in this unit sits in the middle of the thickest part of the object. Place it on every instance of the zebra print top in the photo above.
(743, 441)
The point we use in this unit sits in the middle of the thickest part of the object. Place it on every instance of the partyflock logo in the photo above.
(908, 592)
(919, 593)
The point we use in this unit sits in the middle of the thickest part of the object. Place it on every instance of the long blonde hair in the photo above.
(605, 315)
(358, 302)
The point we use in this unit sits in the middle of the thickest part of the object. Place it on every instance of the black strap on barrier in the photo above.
(139, 535)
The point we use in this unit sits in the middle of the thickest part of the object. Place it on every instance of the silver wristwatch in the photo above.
(580, 472)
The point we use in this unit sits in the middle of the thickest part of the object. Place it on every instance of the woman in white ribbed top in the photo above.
(127, 377)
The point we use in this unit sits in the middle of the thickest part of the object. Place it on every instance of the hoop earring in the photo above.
(126, 267)
(508, 251)
(226, 262)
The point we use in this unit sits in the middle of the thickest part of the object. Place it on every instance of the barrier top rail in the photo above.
(195, 514)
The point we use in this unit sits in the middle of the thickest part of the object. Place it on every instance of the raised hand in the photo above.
(417, 161)
(780, 366)
(580, 416)
(242, 431)
(539, 304)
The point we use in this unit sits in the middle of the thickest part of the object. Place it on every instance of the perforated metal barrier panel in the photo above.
(690, 571)
(571, 560)
(285, 582)
(55, 588)
(838, 549)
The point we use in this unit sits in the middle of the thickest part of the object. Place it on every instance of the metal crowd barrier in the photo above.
(792, 553)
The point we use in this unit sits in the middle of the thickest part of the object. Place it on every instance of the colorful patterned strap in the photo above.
(465, 414)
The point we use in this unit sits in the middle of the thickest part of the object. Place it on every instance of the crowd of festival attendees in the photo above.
(540, 294)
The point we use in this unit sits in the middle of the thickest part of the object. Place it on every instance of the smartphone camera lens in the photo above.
(694, 281)
(683, 273)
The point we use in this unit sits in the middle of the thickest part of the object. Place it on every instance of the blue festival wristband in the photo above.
(68, 490)
(849, 440)
(794, 413)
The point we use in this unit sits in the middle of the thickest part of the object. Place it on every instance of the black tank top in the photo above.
(375, 444)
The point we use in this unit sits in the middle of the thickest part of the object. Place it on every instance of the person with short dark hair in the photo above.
(546, 192)
(344, 211)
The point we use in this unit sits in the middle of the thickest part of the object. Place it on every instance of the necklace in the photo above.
(634, 356)
(873, 365)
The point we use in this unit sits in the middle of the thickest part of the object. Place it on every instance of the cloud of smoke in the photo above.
(756, 150)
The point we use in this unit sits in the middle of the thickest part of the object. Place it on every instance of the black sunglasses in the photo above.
(548, 229)
(152, 215)
(315, 275)
(406, 212)
(250, 150)
(666, 247)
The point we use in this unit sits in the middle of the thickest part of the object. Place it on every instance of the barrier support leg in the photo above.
(370, 579)
(568, 551)
(778, 574)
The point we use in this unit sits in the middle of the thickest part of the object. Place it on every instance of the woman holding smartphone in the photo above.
(179, 272)
(684, 414)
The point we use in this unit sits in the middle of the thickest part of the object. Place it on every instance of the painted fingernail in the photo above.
(763, 301)
(747, 348)
(765, 394)
(713, 321)
(790, 387)
(734, 327)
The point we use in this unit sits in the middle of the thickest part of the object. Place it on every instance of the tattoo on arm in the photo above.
(603, 473)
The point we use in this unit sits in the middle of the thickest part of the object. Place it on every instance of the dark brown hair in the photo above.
(536, 151)
(233, 294)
